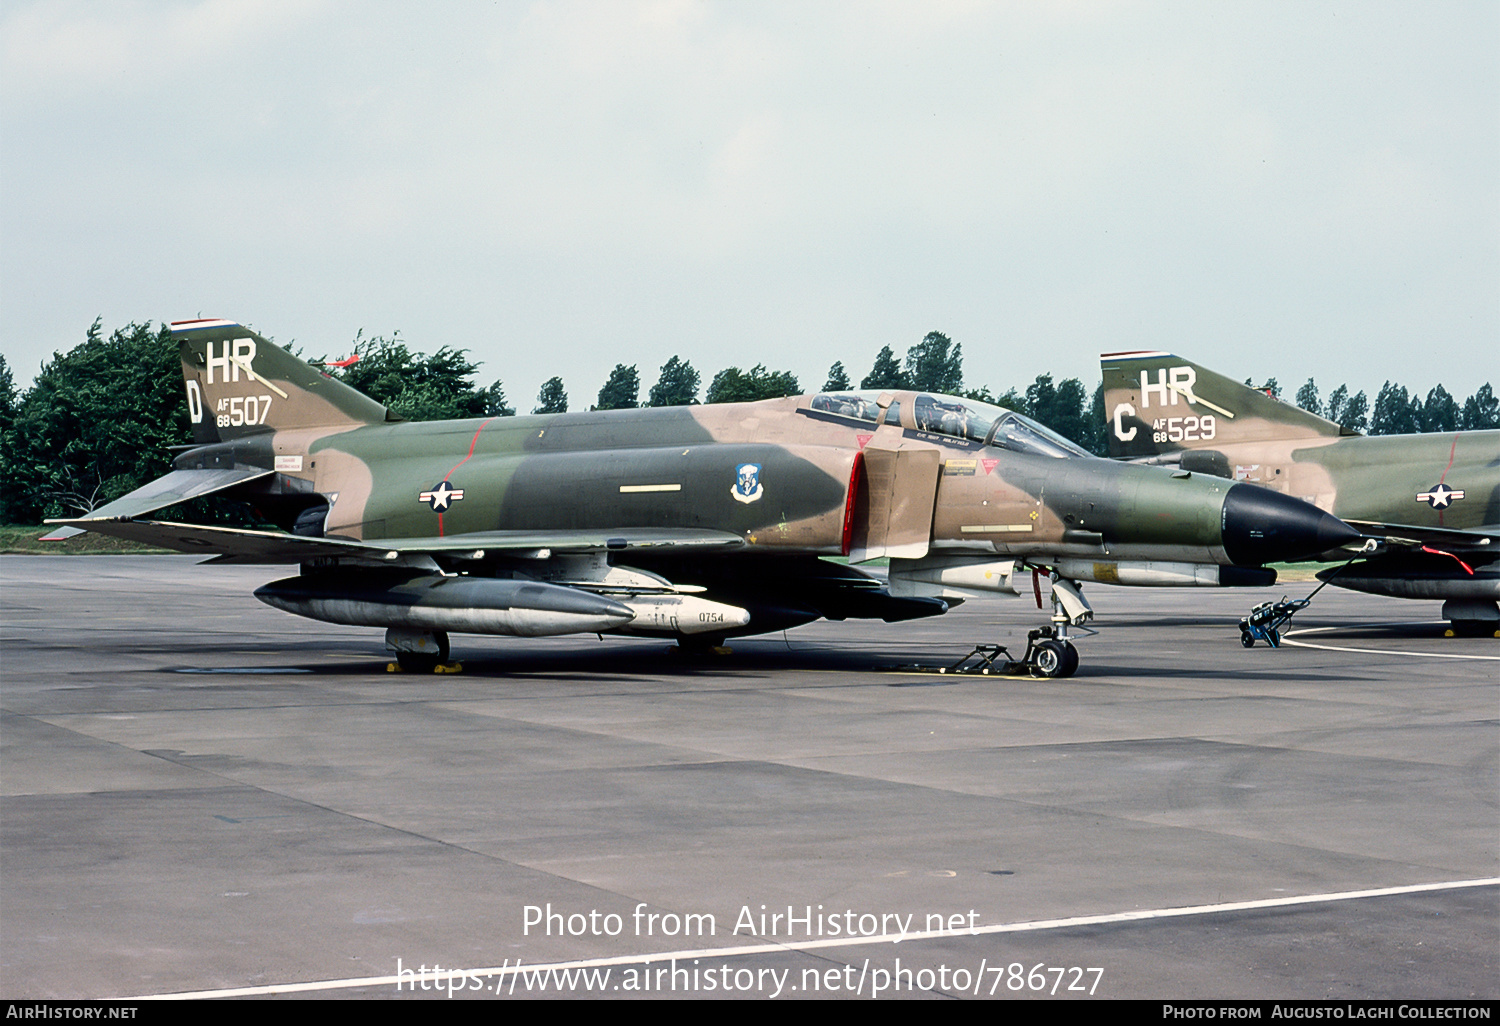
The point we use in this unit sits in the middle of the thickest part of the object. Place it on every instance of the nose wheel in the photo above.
(1052, 658)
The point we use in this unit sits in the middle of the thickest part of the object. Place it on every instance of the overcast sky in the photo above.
(1272, 189)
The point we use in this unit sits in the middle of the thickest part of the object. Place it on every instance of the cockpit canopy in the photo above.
(968, 419)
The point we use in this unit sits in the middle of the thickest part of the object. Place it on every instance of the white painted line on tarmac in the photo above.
(1286, 639)
(411, 979)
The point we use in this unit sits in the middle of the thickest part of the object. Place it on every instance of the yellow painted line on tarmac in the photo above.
(958, 674)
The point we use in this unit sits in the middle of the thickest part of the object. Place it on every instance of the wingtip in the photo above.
(199, 323)
(61, 534)
(1138, 354)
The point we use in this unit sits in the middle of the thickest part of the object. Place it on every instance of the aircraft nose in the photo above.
(1261, 526)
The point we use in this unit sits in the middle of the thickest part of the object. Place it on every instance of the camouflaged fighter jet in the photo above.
(696, 523)
(1432, 500)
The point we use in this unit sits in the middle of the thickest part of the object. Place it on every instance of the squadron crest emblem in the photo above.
(747, 487)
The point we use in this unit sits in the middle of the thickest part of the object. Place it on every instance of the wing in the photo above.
(237, 545)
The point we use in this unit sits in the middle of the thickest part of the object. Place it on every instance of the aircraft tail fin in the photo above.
(239, 383)
(1158, 403)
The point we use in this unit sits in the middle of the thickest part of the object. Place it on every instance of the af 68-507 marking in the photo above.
(243, 410)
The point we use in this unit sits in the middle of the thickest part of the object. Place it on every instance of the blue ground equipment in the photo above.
(1266, 621)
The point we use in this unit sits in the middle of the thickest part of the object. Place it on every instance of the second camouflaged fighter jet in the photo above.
(697, 523)
(1433, 499)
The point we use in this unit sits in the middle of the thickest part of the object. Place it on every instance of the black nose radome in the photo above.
(1262, 526)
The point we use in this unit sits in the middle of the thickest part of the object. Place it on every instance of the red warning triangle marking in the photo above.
(989, 465)
(863, 440)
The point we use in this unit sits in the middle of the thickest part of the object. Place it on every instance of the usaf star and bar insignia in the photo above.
(441, 497)
(1440, 496)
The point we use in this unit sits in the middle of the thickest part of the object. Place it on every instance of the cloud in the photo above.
(69, 49)
(804, 182)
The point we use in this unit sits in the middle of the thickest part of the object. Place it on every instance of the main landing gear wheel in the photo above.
(702, 646)
(1054, 659)
(1471, 629)
(418, 662)
(420, 652)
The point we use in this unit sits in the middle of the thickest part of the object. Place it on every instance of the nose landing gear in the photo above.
(1047, 655)
(1049, 650)
(1056, 656)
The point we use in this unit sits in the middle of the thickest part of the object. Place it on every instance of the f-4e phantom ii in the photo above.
(697, 523)
(1432, 500)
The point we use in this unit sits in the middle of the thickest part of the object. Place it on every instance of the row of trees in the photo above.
(94, 425)
(99, 419)
(1398, 412)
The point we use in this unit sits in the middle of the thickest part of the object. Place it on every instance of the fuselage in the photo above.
(698, 521)
(785, 475)
(1449, 480)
